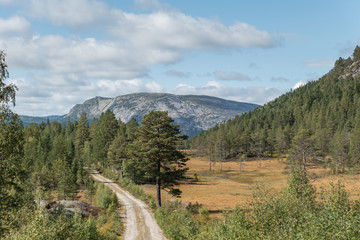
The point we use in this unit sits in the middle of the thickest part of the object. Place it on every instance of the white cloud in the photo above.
(88, 58)
(64, 70)
(259, 95)
(8, 2)
(299, 84)
(175, 30)
(58, 94)
(233, 76)
(15, 27)
(73, 13)
(141, 40)
(158, 30)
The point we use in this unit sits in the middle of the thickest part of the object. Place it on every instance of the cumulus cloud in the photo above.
(8, 2)
(89, 58)
(233, 76)
(158, 30)
(65, 70)
(259, 95)
(73, 13)
(299, 84)
(141, 40)
(15, 27)
(57, 96)
(175, 30)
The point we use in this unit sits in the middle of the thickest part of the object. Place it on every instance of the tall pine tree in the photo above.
(155, 148)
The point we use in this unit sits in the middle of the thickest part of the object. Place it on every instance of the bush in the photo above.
(105, 197)
(42, 225)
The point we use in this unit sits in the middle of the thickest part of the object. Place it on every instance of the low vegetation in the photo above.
(293, 214)
(103, 222)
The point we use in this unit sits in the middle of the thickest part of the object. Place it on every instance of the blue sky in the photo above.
(61, 53)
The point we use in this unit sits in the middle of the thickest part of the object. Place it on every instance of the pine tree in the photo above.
(155, 149)
(302, 149)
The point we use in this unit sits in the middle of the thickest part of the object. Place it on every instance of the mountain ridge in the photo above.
(194, 113)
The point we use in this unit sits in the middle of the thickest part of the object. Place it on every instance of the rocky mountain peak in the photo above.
(193, 113)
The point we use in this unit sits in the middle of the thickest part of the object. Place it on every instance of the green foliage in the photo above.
(42, 225)
(313, 121)
(177, 222)
(104, 133)
(155, 152)
(81, 135)
(292, 214)
(356, 54)
(105, 197)
(137, 191)
(12, 172)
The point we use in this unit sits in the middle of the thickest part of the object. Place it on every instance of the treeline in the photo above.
(323, 116)
(55, 154)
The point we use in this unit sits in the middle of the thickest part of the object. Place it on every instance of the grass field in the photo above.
(222, 190)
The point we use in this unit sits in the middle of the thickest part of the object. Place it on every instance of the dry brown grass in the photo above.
(221, 190)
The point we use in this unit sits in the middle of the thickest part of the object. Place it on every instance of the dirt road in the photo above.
(140, 222)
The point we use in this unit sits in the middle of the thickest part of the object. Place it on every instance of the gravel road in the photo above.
(140, 222)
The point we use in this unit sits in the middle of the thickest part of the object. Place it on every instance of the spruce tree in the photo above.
(81, 135)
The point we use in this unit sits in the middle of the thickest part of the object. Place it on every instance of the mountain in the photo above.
(193, 113)
(27, 120)
(325, 114)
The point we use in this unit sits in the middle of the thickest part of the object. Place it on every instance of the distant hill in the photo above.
(193, 113)
(27, 120)
(326, 113)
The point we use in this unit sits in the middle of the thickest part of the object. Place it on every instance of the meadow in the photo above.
(225, 189)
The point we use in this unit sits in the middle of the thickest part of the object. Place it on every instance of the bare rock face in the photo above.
(193, 113)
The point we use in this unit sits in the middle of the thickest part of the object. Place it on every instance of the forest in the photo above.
(316, 122)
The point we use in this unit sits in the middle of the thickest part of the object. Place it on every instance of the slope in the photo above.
(328, 109)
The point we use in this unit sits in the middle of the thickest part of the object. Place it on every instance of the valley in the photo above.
(179, 120)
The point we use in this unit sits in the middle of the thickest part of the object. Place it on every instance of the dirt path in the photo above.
(140, 222)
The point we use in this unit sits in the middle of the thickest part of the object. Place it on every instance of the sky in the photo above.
(61, 53)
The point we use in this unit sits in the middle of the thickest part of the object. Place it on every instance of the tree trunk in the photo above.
(210, 162)
(158, 186)
(158, 192)
(343, 165)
